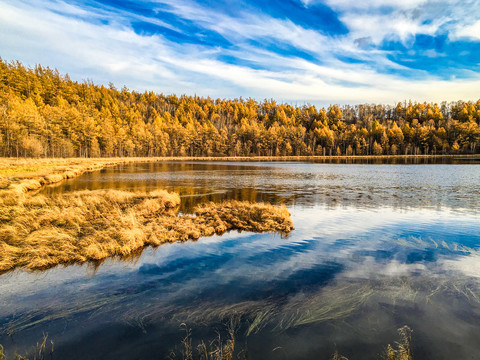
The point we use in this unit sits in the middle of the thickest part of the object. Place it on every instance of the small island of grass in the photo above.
(38, 231)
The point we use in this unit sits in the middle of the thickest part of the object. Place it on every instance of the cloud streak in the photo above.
(381, 51)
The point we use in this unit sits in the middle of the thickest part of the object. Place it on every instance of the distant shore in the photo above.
(27, 174)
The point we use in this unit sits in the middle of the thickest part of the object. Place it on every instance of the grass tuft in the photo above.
(402, 352)
(41, 351)
(38, 232)
(217, 349)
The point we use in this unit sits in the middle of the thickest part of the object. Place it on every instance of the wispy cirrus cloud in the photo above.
(317, 51)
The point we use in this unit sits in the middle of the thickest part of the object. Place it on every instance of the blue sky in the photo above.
(296, 51)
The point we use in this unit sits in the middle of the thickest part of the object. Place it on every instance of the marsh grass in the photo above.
(19, 176)
(337, 356)
(38, 232)
(216, 349)
(402, 350)
(41, 351)
(226, 349)
(223, 348)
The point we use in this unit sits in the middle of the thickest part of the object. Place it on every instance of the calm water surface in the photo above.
(376, 247)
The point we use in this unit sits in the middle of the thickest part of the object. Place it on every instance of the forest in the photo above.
(46, 114)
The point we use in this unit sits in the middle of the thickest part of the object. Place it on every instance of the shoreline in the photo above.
(22, 175)
(38, 232)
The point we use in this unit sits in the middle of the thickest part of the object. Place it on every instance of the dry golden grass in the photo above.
(23, 175)
(38, 232)
(216, 349)
(225, 349)
(402, 352)
(231, 215)
(41, 351)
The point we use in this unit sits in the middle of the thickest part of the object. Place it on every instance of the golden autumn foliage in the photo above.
(45, 114)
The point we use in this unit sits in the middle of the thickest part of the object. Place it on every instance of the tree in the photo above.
(377, 149)
(43, 113)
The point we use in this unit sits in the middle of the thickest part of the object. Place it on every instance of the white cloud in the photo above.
(470, 31)
(467, 265)
(384, 19)
(383, 26)
(86, 47)
(368, 4)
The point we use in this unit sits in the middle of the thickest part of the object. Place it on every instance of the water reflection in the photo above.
(348, 276)
(300, 184)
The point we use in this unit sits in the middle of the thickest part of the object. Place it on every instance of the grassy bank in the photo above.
(38, 232)
(22, 175)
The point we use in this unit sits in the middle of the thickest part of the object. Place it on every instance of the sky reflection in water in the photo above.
(355, 269)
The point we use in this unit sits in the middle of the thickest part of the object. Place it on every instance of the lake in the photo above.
(375, 247)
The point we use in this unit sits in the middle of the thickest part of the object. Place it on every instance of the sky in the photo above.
(294, 51)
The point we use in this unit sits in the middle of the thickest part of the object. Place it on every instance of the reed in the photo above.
(41, 351)
(216, 349)
(402, 350)
(219, 349)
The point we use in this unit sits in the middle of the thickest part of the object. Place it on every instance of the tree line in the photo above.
(44, 113)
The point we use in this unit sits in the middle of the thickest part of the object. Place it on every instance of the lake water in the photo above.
(375, 247)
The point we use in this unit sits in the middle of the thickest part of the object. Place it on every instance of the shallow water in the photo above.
(375, 247)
